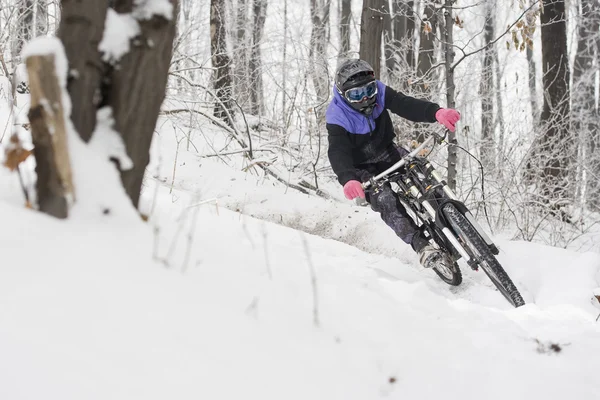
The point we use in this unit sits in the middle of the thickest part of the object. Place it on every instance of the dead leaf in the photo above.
(15, 153)
(427, 27)
(458, 22)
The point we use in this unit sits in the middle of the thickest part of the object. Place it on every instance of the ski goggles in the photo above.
(358, 94)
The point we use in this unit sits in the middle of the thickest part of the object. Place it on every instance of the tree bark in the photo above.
(450, 99)
(389, 43)
(135, 102)
(81, 30)
(46, 115)
(256, 93)
(404, 30)
(319, 11)
(240, 55)
(426, 47)
(486, 89)
(220, 60)
(345, 17)
(556, 146)
(371, 29)
(584, 111)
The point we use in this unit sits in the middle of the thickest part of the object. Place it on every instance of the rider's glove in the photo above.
(353, 189)
(447, 117)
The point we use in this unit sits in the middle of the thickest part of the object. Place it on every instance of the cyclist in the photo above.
(361, 144)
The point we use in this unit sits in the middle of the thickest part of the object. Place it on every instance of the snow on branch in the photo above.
(147, 9)
(119, 30)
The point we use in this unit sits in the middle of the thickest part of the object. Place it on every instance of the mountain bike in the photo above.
(444, 219)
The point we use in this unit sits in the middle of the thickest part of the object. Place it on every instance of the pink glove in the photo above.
(353, 189)
(447, 117)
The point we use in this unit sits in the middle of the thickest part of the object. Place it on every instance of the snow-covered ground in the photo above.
(213, 298)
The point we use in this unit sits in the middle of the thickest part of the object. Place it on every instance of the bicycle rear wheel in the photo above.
(479, 250)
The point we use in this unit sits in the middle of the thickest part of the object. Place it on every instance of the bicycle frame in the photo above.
(421, 182)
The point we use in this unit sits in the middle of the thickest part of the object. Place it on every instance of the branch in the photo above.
(465, 55)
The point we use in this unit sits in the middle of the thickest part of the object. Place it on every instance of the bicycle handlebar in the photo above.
(400, 163)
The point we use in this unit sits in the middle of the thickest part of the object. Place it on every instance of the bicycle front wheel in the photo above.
(479, 250)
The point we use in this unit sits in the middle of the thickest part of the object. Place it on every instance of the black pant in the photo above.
(384, 201)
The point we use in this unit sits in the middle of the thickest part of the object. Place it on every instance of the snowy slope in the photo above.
(227, 309)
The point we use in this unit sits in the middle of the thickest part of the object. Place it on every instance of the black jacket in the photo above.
(349, 152)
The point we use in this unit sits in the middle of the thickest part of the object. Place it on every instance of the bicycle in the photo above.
(445, 219)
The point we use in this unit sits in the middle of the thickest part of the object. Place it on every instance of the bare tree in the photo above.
(345, 17)
(319, 37)
(31, 22)
(241, 73)
(220, 60)
(450, 88)
(556, 145)
(94, 84)
(256, 93)
(426, 47)
(403, 24)
(487, 89)
(371, 29)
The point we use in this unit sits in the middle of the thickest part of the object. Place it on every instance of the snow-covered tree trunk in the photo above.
(137, 87)
(81, 30)
(49, 135)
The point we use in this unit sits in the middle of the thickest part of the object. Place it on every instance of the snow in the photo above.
(119, 30)
(206, 302)
(147, 9)
(48, 45)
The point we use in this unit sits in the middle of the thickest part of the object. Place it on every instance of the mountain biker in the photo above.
(361, 144)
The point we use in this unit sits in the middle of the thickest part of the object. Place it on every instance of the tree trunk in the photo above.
(135, 102)
(487, 92)
(404, 30)
(450, 100)
(426, 48)
(31, 15)
(319, 10)
(240, 55)
(220, 60)
(389, 43)
(584, 112)
(46, 115)
(556, 146)
(256, 93)
(371, 29)
(345, 17)
(81, 30)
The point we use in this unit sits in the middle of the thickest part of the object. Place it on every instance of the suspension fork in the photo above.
(438, 177)
(431, 210)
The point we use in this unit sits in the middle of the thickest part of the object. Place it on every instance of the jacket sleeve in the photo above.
(413, 109)
(340, 154)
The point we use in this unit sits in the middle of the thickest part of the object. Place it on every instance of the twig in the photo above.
(465, 55)
(313, 281)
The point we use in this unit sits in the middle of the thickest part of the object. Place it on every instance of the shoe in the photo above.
(429, 256)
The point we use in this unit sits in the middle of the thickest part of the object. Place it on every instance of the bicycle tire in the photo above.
(453, 275)
(478, 249)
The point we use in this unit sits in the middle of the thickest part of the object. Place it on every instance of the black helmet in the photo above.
(355, 73)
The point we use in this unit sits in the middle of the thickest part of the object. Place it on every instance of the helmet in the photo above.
(356, 73)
